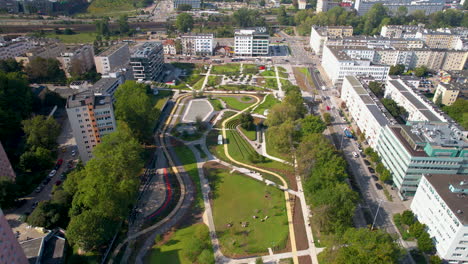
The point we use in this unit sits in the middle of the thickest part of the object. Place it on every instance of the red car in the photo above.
(328, 108)
(59, 162)
(57, 183)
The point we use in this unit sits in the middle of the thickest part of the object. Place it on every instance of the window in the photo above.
(456, 255)
(460, 248)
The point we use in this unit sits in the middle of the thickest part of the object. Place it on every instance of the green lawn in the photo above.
(250, 69)
(199, 84)
(237, 198)
(306, 73)
(269, 102)
(161, 98)
(86, 37)
(271, 83)
(281, 69)
(226, 69)
(268, 73)
(174, 250)
(187, 158)
(232, 87)
(214, 80)
(234, 103)
(283, 74)
(250, 134)
(285, 82)
(216, 104)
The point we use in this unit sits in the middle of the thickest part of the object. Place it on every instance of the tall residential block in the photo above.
(251, 42)
(197, 44)
(147, 61)
(320, 35)
(10, 250)
(14, 48)
(441, 203)
(112, 59)
(91, 117)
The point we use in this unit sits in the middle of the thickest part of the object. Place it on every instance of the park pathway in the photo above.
(207, 76)
(280, 86)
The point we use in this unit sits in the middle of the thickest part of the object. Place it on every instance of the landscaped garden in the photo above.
(249, 216)
(228, 69)
(237, 102)
(269, 102)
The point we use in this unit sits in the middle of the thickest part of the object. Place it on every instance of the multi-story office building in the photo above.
(366, 110)
(251, 42)
(14, 48)
(338, 64)
(10, 249)
(320, 35)
(81, 56)
(198, 44)
(10, 6)
(147, 61)
(169, 47)
(441, 203)
(417, 148)
(418, 107)
(449, 92)
(6, 170)
(112, 59)
(91, 117)
(195, 4)
(428, 6)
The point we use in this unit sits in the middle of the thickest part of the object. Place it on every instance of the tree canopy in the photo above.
(184, 22)
(458, 111)
(40, 70)
(41, 131)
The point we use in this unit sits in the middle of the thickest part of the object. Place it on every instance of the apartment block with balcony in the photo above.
(197, 44)
(251, 42)
(441, 203)
(112, 59)
(147, 61)
(91, 117)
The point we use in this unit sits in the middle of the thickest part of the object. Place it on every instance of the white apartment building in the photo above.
(251, 42)
(338, 64)
(14, 48)
(400, 31)
(199, 44)
(320, 35)
(169, 47)
(112, 59)
(428, 6)
(91, 117)
(418, 107)
(368, 113)
(82, 55)
(441, 203)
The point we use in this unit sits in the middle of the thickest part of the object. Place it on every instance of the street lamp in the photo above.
(376, 213)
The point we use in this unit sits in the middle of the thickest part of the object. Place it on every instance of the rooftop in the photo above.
(87, 98)
(251, 31)
(144, 50)
(48, 249)
(112, 49)
(104, 83)
(456, 201)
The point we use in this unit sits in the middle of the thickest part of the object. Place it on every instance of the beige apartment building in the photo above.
(112, 59)
(449, 92)
(320, 35)
(91, 116)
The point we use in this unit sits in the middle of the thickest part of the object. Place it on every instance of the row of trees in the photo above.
(378, 15)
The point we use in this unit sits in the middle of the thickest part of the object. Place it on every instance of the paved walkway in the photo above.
(206, 78)
(280, 85)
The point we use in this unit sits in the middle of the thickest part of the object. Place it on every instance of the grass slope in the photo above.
(234, 103)
(187, 158)
(270, 101)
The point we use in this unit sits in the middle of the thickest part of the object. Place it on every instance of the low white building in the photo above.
(198, 44)
(301, 4)
(337, 64)
(112, 59)
(319, 36)
(251, 42)
(368, 113)
(441, 203)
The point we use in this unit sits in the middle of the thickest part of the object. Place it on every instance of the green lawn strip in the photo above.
(236, 199)
(285, 82)
(214, 80)
(174, 250)
(161, 99)
(187, 158)
(234, 103)
(84, 37)
(216, 104)
(226, 69)
(199, 84)
(281, 69)
(233, 87)
(250, 134)
(306, 73)
(250, 69)
(268, 73)
(283, 74)
(267, 104)
(194, 78)
(271, 83)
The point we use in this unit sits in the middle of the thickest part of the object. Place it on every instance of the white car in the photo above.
(73, 153)
(355, 154)
(52, 173)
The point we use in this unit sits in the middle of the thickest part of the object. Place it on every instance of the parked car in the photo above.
(52, 173)
(57, 183)
(378, 186)
(355, 154)
(46, 181)
(375, 178)
(366, 162)
(38, 189)
(73, 153)
(62, 176)
(371, 169)
(34, 205)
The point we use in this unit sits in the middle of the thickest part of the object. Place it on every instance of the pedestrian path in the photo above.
(207, 76)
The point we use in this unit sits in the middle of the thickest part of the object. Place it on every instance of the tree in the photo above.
(327, 118)
(425, 243)
(282, 137)
(44, 70)
(438, 100)
(184, 7)
(262, 3)
(124, 27)
(37, 159)
(184, 22)
(421, 71)
(386, 176)
(407, 218)
(41, 131)
(360, 245)
(102, 27)
(247, 121)
(435, 259)
(10, 65)
(417, 229)
(178, 46)
(8, 192)
(458, 111)
(245, 17)
(48, 214)
(312, 124)
(377, 89)
(398, 69)
(392, 107)
(134, 106)
(68, 31)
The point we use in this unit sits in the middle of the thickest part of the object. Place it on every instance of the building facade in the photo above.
(15, 48)
(199, 44)
(337, 64)
(6, 170)
(251, 42)
(428, 6)
(441, 203)
(195, 4)
(301, 4)
(169, 47)
(91, 117)
(112, 59)
(81, 56)
(10, 249)
(448, 92)
(368, 113)
(147, 61)
(320, 35)
(400, 31)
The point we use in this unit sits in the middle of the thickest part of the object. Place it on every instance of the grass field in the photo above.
(199, 84)
(271, 83)
(306, 73)
(270, 101)
(285, 82)
(281, 69)
(250, 69)
(234, 103)
(226, 69)
(187, 158)
(214, 80)
(173, 251)
(161, 99)
(237, 198)
(250, 134)
(86, 37)
(283, 74)
(231, 87)
(216, 104)
(268, 73)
